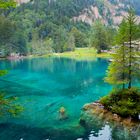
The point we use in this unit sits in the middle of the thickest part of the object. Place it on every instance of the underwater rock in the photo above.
(62, 114)
(94, 105)
(97, 109)
(62, 110)
(86, 107)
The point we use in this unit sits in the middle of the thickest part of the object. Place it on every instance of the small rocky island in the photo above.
(111, 109)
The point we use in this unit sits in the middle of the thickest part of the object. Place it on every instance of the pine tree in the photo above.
(71, 42)
(117, 70)
(116, 74)
(125, 65)
(131, 32)
(101, 36)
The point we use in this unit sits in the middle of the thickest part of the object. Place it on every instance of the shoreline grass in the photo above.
(83, 54)
(77, 54)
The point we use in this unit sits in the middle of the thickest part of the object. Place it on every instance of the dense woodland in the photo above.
(41, 27)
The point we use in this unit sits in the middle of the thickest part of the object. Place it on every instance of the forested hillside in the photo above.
(44, 26)
(110, 12)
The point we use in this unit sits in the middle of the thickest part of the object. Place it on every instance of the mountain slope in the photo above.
(57, 23)
(110, 12)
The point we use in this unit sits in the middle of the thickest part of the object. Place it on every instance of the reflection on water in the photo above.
(99, 129)
(43, 86)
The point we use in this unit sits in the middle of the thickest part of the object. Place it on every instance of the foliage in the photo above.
(80, 38)
(53, 20)
(3, 72)
(117, 73)
(79, 54)
(50, 20)
(6, 4)
(7, 104)
(6, 30)
(8, 107)
(125, 65)
(12, 38)
(123, 70)
(101, 36)
(133, 56)
(123, 102)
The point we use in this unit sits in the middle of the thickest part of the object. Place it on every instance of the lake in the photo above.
(43, 86)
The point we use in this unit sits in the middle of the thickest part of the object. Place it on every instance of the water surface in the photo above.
(43, 86)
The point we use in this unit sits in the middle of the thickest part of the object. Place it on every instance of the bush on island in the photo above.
(125, 103)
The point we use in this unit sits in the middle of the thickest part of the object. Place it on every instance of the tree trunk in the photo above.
(123, 66)
(130, 56)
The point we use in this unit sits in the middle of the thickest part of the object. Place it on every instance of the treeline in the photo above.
(46, 26)
(41, 27)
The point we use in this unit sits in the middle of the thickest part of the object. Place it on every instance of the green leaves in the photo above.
(8, 106)
(125, 65)
(101, 36)
(6, 4)
(123, 102)
(3, 72)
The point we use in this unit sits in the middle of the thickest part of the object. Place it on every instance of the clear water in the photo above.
(43, 86)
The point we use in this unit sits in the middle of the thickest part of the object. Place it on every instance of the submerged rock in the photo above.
(98, 110)
(62, 110)
(62, 113)
(94, 115)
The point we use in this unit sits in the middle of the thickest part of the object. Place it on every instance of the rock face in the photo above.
(110, 12)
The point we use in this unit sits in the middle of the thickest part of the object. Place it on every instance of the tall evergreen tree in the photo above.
(125, 65)
(100, 37)
(117, 70)
(131, 32)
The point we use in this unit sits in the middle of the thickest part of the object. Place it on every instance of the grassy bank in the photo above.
(78, 54)
(83, 53)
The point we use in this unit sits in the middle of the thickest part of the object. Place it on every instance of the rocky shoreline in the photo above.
(97, 109)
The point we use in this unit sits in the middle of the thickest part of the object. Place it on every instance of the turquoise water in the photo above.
(43, 86)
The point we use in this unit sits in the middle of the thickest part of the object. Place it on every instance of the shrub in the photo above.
(125, 103)
(8, 106)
